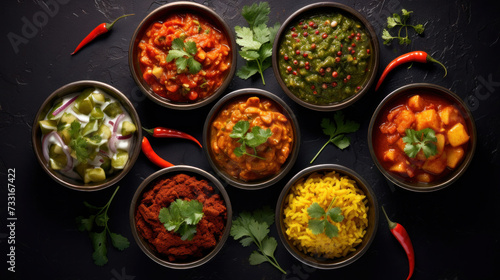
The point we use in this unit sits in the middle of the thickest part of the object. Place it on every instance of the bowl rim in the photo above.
(373, 211)
(289, 163)
(71, 88)
(375, 46)
(200, 174)
(159, 14)
(467, 114)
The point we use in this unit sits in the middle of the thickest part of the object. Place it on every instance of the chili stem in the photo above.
(110, 25)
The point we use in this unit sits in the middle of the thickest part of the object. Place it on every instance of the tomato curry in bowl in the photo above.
(251, 138)
(181, 55)
(422, 137)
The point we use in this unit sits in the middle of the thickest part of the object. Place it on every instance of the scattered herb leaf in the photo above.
(337, 130)
(256, 41)
(93, 225)
(253, 138)
(254, 228)
(424, 140)
(319, 222)
(183, 53)
(401, 21)
(182, 216)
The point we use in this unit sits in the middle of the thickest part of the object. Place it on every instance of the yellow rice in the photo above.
(323, 188)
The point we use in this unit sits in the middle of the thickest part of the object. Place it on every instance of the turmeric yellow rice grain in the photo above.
(323, 188)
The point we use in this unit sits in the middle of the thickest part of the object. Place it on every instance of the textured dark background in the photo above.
(454, 231)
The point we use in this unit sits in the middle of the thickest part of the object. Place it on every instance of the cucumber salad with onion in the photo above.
(87, 135)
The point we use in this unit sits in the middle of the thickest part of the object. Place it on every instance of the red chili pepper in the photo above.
(162, 132)
(152, 156)
(416, 56)
(404, 239)
(99, 30)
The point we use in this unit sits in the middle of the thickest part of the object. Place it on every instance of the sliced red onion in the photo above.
(111, 123)
(112, 143)
(64, 106)
(121, 137)
(117, 122)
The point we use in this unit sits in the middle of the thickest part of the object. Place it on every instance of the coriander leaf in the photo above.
(245, 39)
(269, 245)
(257, 258)
(119, 241)
(79, 145)
(256, 14)
(249, 55)
(74, 130)
(331, 230)
(335, 214)
(181, 63)
(264, 215)
(391, 22)
(316, 211)
(178, 44)
(341, 141)
(91, 207)
(247, 71)
(337, 131)
(191, 47)
(258, 230)
(396, 18)
(85, 224)
(182, 216)
(419, 28)
(253, 138)
(265, 51)
(317, 226)
(273, 31)
(424, 139)
(102, 219)
(99, 244)
(193, 65)
(261, 33)
(175, 54)
(406, 14)
(247, 241)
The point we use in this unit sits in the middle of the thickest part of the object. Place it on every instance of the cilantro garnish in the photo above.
(183, 53)
(182, 216)
(254, 228)
(252, 139)
(424, 140)
(256, 41)
(93, 225)
(397, 20)
(320, 223)
(337, 131)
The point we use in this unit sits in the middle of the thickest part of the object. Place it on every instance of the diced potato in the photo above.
(435, 166)
(440, 143)
(401, 144)
(454, 156)
(457, 135)
(387, 128)
(449, 115)
(399, 167)
(428, 119)
(390, 155)
(157, 71)
(404, 120)
(416, 103)
(424, 177)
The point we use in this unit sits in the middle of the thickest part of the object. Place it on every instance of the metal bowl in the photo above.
(261, 183)
(435, 90)
(161, 14)
(36, 135)
(146, 185)
(373, 218)
(323, 8)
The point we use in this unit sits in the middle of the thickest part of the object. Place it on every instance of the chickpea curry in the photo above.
(264, 119)
(421, 137)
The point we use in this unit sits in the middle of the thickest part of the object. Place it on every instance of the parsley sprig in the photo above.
(401, 21)
(256, 41)
(97, 226)
(319, 222)
(253, 138)
(183, 53)
(424, 140)
(254, 228)
(337, 130)
(182, 216)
